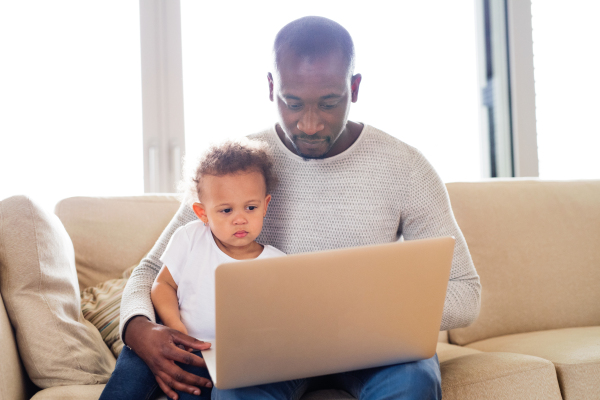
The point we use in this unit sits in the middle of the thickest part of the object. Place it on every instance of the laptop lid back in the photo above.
(320, 313)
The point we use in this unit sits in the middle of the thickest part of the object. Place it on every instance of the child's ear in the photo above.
(200, 211)
(267, 201)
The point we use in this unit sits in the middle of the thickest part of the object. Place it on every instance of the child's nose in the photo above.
(239, 219)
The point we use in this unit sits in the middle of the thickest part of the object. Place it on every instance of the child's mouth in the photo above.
(240, 234)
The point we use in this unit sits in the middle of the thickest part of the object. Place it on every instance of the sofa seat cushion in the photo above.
(575, 353)
(498, 376)
(446, 351)
(71, 392)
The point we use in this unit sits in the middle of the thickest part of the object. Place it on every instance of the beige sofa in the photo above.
(536, 246)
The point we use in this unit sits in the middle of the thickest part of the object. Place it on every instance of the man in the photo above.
(342, 184)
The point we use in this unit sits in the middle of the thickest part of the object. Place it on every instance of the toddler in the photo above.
(230, 192)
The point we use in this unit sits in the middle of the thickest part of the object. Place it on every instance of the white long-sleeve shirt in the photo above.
(374, 192)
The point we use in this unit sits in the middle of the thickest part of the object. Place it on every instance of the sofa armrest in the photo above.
(14, 385)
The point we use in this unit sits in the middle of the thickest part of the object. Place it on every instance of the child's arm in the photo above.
(164, 299)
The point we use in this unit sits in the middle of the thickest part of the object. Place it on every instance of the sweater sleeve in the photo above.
(429, 214)
(136, 296)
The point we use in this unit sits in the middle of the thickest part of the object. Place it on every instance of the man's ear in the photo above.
(200, 211)
(270, 79)
(355, 85)
(267, 201)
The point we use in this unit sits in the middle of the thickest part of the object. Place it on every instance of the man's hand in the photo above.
(158, 345)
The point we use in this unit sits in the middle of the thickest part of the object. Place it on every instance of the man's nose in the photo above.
(310, 122)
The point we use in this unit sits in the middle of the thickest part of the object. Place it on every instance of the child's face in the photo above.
(234, 206)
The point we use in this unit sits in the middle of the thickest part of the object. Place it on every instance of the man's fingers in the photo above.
(188, 341)
(175, 385)
(184, 357)
(165, 388)
(178, 379)
(157, 345)
(173, 373)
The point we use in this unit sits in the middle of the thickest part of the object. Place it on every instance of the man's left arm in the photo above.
(428, 214)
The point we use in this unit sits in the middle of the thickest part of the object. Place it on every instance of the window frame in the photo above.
(507, 115)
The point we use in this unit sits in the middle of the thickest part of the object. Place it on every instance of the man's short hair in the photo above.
(314, 37)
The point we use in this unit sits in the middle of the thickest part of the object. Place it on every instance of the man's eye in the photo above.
(294, 106)
(327, 106)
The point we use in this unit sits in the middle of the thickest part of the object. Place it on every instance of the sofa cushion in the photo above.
(575, 353)
(13, 381)
(498, 376)
(535, 247)
(112, 233)
(101, 305)
(39, 286)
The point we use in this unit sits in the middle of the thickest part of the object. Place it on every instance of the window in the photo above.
(417, 59)
(567, 83)
(70, 103)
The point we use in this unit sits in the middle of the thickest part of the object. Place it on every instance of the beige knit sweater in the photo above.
(374, 192)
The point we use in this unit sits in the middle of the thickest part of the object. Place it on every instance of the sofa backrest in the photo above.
(536, 247)
(110, 234)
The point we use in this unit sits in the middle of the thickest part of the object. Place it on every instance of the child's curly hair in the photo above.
(231, 157)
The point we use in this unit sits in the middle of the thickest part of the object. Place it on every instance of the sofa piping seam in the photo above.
(556, 364)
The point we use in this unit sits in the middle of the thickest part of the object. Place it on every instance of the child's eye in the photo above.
(226, 211)
(251, 208)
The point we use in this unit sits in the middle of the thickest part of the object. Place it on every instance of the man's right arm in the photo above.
(136, 299)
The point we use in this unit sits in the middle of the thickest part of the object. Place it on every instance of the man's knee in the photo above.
(423, 379)
(416, 380)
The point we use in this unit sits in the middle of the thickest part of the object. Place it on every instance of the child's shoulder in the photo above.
(270, 251)
(193, 230)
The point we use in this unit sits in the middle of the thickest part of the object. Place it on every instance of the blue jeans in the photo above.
(132, 379)
(419, 380)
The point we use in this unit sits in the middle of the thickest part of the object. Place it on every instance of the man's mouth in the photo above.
(240, 234)
(311, 143)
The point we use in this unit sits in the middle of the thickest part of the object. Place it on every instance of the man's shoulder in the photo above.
(375, 139)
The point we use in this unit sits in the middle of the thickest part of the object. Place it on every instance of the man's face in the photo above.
(313, 100)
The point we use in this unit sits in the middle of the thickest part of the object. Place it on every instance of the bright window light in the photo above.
(566, 37)
(70, 99)
(417, 59)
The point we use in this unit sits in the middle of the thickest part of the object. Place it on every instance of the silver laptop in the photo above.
(319, 313)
